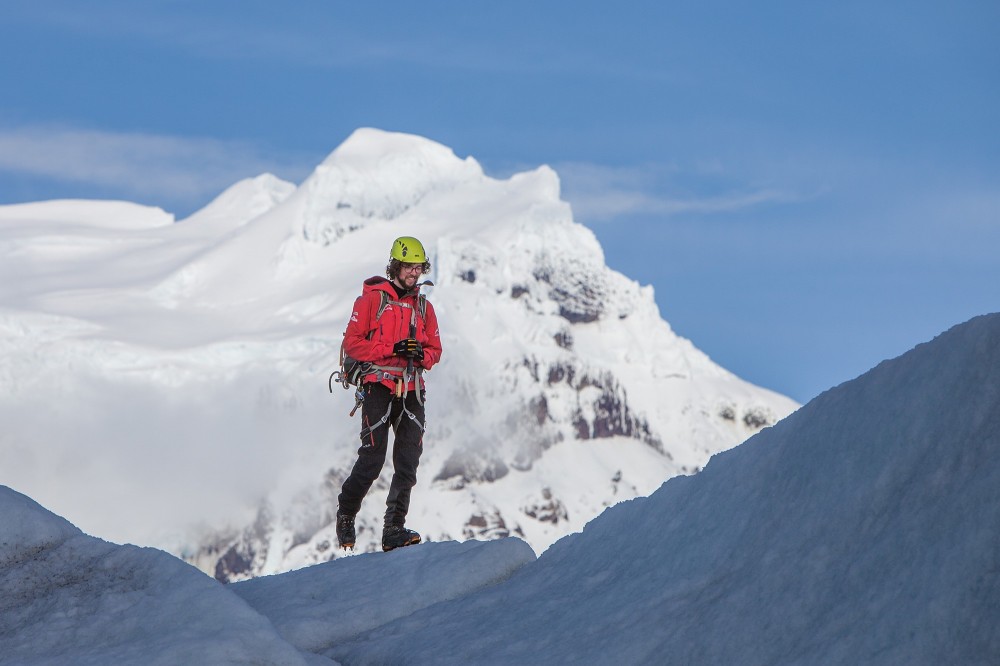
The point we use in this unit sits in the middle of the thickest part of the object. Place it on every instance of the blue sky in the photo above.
(809, 187)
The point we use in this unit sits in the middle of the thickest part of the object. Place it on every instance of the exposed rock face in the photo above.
(246, 554)
(548, 510)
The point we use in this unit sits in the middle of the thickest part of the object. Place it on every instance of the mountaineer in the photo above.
(391, 339)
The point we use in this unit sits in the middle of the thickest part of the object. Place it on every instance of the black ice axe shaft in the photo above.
(413, 335)
(409, 362)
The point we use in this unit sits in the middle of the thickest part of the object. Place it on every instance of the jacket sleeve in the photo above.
(363, 321)
(432, 345)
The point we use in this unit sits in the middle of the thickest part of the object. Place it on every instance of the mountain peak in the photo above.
(375, 174)
(368, 148)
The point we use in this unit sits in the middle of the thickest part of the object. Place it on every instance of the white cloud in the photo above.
(600, 193)
(149, 464)
(134, 163)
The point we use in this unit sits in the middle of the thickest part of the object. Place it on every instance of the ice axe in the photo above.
(409, 361)
(413, 335)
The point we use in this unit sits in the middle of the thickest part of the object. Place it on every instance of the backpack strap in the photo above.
(382, 305)
(421, 305)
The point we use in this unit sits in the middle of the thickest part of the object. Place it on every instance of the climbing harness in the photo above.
(365, 432)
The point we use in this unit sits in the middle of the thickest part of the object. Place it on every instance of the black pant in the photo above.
(406, 449)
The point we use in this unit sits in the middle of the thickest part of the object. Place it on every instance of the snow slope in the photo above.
(865, 528)
(184, 365)
(320, 606)
(69, 598)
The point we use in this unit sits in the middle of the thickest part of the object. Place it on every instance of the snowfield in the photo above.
(865, 528)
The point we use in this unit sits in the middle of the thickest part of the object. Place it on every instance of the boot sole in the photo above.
(411, 542)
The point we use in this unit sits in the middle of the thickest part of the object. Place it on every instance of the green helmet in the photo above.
(408, 250)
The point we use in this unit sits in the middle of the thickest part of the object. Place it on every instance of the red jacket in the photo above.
(387, 330)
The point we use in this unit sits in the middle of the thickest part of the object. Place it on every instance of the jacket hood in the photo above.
(379, 283)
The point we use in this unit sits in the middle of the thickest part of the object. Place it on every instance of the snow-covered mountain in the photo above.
(865, 528)
(166, 383)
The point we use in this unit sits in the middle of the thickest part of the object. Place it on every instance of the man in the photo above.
(394, 329)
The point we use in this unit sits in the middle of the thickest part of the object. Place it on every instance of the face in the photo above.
(409, 274)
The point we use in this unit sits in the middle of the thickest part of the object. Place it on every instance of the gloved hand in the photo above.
(409, 349)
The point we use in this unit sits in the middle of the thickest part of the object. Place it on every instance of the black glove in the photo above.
(409, 349)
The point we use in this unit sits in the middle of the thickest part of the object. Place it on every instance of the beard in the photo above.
(408, 280)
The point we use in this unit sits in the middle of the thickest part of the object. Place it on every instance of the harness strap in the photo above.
(392, 372)
(418, 374)
(385, 419)
(413, 418)
(421, 305)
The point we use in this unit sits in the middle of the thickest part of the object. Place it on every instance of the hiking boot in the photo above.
(397, 536)
(345, 530)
